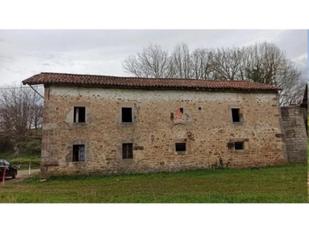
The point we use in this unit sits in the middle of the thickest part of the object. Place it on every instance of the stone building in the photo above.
(304, 107)
(295, 129)
(113, 124)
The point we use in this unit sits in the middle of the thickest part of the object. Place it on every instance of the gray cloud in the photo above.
(26, 52)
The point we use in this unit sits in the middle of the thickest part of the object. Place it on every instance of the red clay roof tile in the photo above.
(84, 80)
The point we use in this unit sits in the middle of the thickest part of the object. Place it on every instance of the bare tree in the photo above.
(264, 63)
(151, 62)
(226, 64)
(20, 112)
(180, 62)
(201, 64)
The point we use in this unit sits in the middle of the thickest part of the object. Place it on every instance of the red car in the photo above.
(10, 171)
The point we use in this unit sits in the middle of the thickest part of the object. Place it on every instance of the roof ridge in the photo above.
(142, 78)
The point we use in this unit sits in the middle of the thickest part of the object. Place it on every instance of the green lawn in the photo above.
(271, 184)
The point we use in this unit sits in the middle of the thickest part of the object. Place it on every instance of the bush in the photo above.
(5, 144)
(32, 147)
(25, 161)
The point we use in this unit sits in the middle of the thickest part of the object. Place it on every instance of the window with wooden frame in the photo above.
(127, 151)
(78, 153)
(236, 145)
(79, 114)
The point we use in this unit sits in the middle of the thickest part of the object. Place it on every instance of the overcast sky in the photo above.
(27, 52)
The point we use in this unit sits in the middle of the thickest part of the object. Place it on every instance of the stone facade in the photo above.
(295, 135)
(204, 124)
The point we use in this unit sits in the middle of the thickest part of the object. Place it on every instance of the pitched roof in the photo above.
(84, 80)
(305, 98)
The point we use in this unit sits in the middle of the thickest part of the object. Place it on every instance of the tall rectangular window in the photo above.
(78, 152)
(235, 115)
(127, 151)
(79, 114)
(126, 114)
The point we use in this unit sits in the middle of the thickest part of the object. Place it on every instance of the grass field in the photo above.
(271, 184)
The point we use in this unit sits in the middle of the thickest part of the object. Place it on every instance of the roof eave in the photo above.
(183, 88)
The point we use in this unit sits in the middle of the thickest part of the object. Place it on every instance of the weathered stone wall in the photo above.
(206, 126)
(295, 135)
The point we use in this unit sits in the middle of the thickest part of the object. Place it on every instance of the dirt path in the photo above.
(24, 173)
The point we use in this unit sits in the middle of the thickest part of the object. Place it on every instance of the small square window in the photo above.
(126, 113)
(127, 151)
(78, 152)
(180, 147)
(239, 145)
(79, 114)
(235, 115)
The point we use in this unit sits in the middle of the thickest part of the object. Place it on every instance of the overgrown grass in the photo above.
(285, 184)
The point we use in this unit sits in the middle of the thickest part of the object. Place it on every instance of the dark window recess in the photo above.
(278, 135)
(127, 115)
(180, 147)
(79, 114)
(181, 110)
(230, 145)
(78, 152)
(127, 151)
(235, 115)
(284, 113)
(239, 145)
